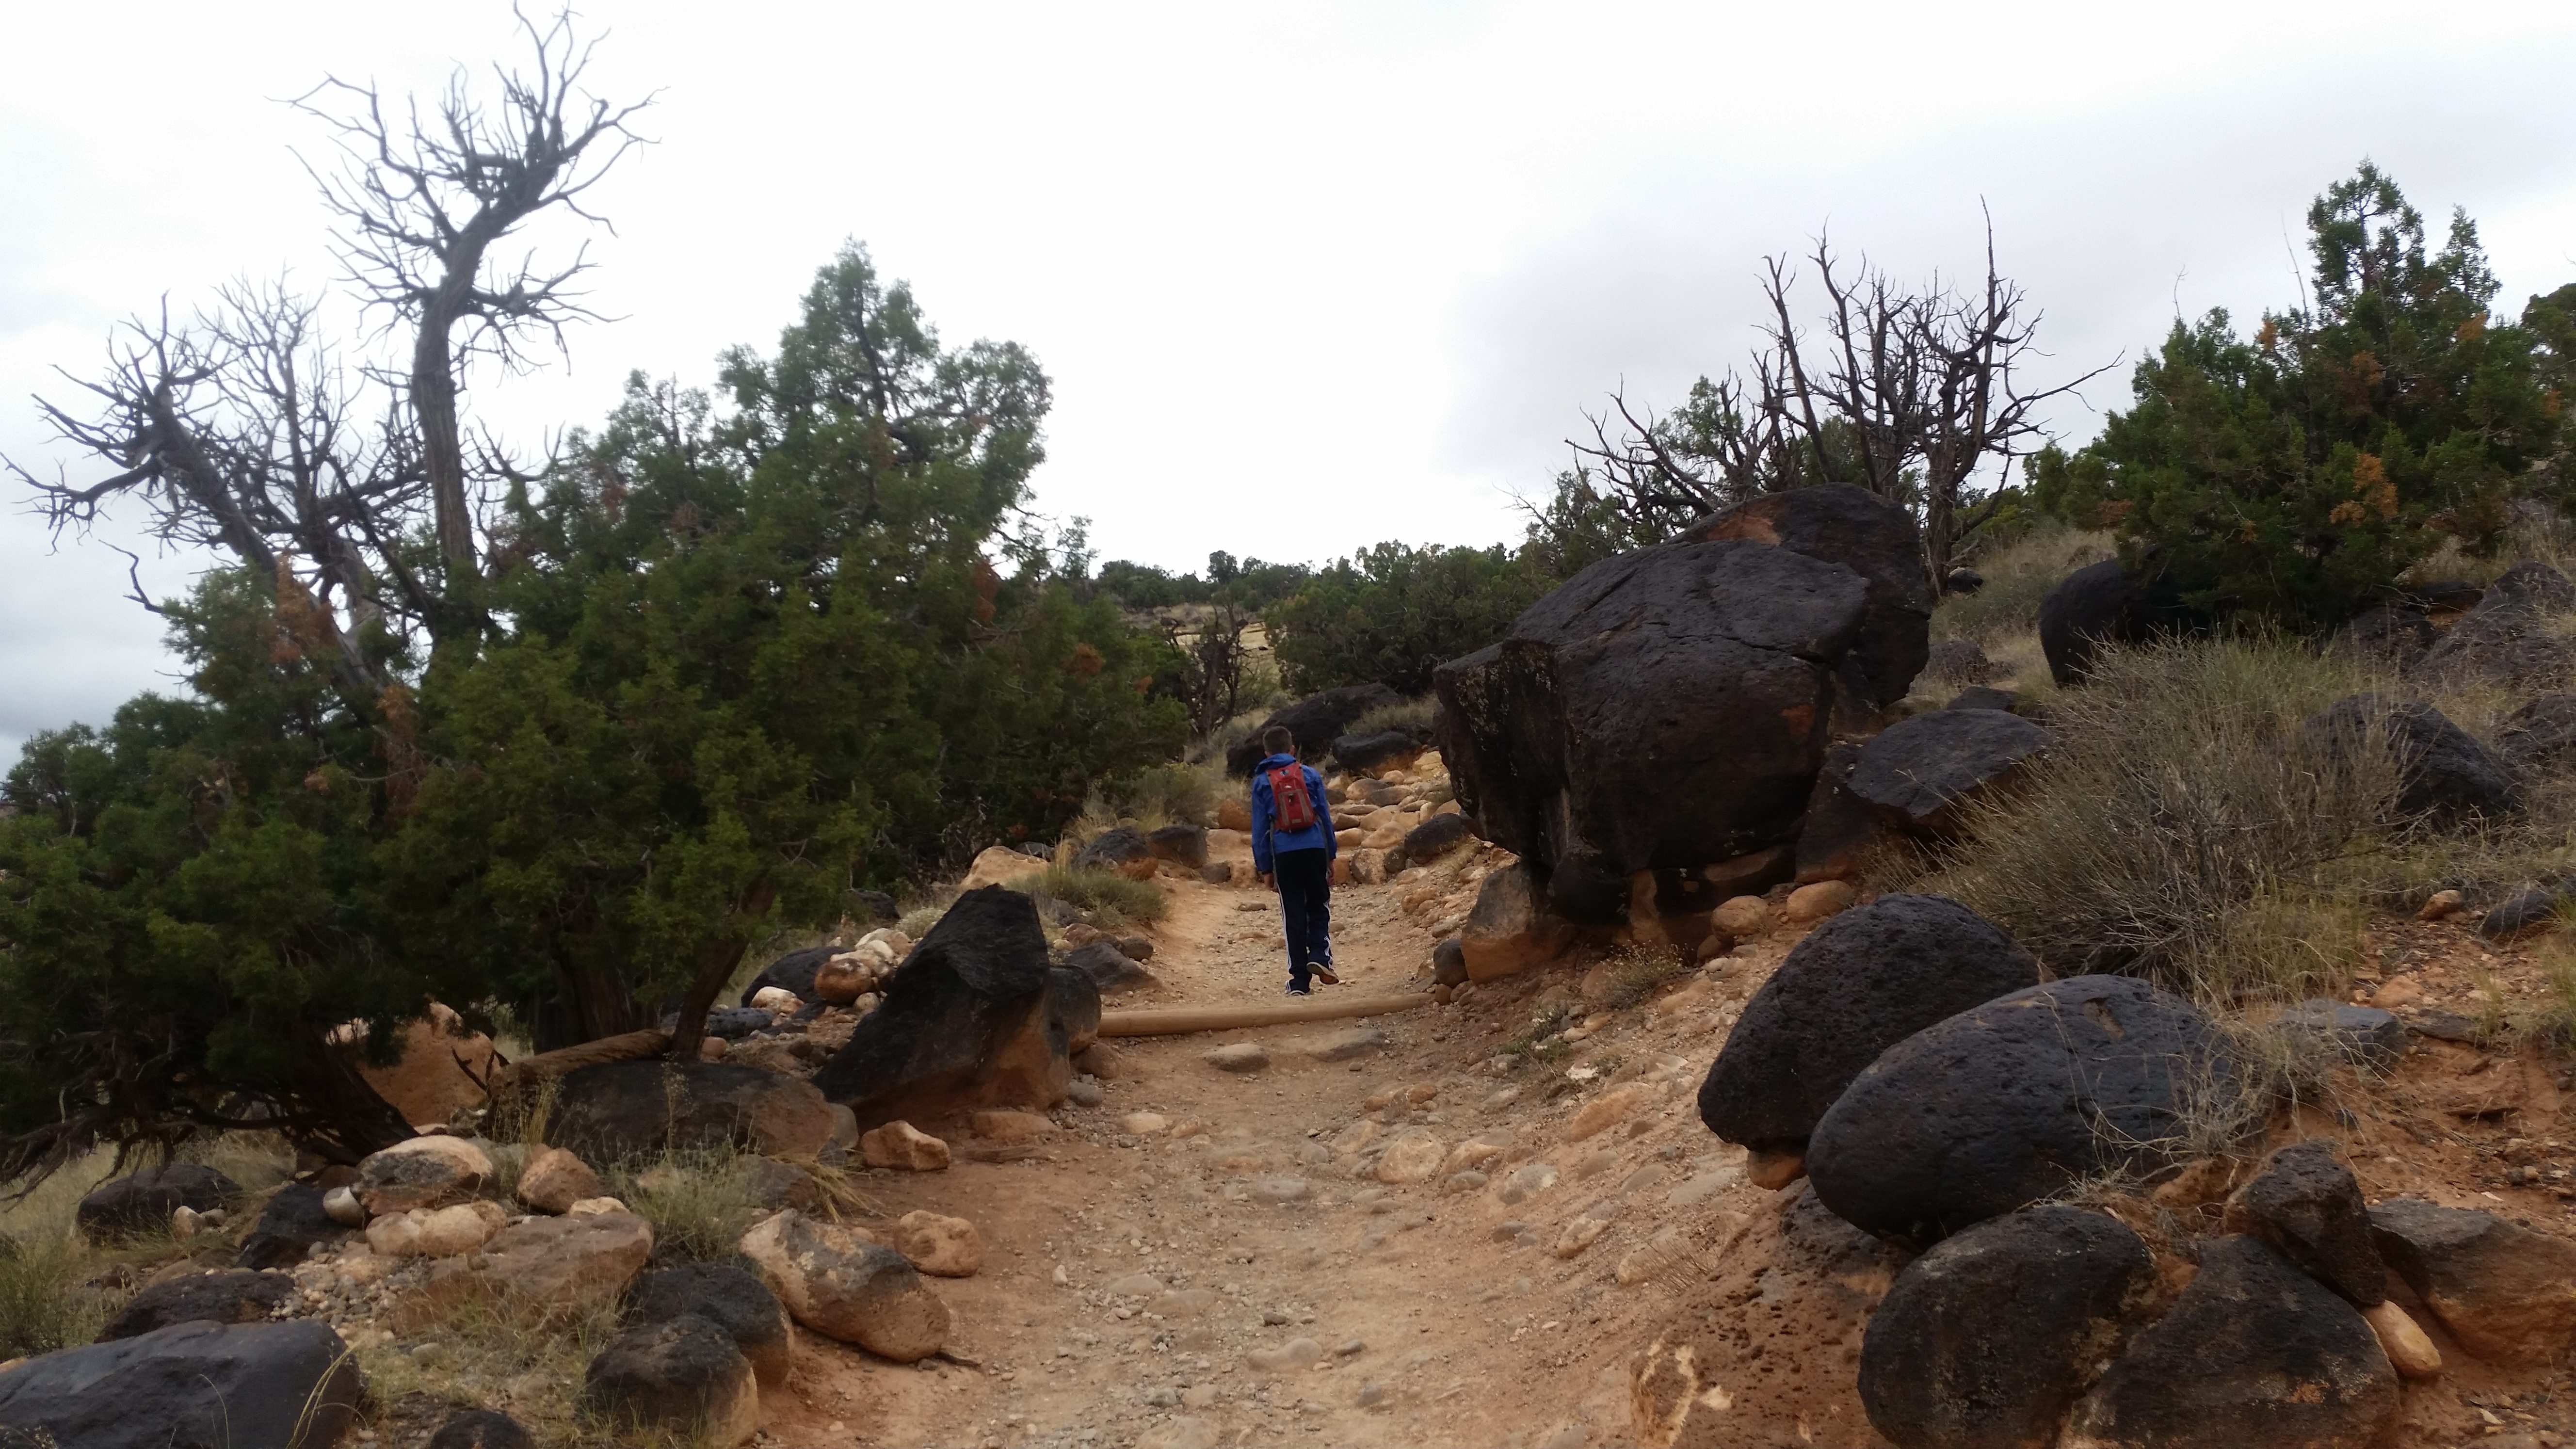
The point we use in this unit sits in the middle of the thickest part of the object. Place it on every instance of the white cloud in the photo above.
(1305, 279)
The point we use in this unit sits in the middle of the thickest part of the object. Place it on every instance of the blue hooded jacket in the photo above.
(1318, 836)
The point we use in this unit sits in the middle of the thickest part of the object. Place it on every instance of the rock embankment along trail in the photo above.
(1371, 1232)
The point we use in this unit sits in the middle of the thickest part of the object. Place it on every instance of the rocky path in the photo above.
(1378, 1236)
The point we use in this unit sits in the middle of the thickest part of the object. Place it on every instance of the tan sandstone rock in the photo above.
(1809, 904)
(1412, 1155)
(438, 1072)
(999, 865)
(943, 1247)
(563, 1268)
(1511, 929)
(845, 1288)
(555, 1179)
(1608, 1110)
(421, 1172)
(904, 1147)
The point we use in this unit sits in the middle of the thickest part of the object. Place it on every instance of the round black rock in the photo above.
(2006, 1103)
(1857, 985)
(1986, 1341)
(2107, 603)
(231, 1296)
(2449, 776)
(144, 1201)
(682, 1376)
(729, 1296)
(289, 1226)
(2308, 1206)
(2253, 1352)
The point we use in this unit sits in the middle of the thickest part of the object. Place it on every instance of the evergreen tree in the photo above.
(2295, 474)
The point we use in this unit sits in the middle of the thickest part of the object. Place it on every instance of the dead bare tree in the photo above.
(1212, 653)
(241, 434)
(1905, 393)
(422, 205)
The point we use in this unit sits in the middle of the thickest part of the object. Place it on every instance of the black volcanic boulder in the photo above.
(228, 1296)
(195, 1385)
(730, 1296)
(1987, 1339)
(680, 1379)
(1670, 707)
(2541, 734)
(969, 1020)
(143, 1201)
(481, 1429)
(2449, 776)
(1840, 524)
(1185, 845)
(1958, 661)
(2006, 1103)
(1073, 1007)
(793, 973)
(1127, 852)
(1917, 773)
(625, 1109)
(2308, 1206)
(2106, 603)
(1316, 721)
(2253, 1352)
(1110, 969)
(1857, 985)
(2507, 638)
(288, 1227)
(1430, 840)
(1367, 754)
(1840, 830)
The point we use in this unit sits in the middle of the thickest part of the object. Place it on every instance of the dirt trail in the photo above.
(1441, 1317)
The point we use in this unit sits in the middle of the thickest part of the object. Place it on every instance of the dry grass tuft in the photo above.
(696, 1199)
(2183, 829)
(1630, 974)
(1111, 899)
(2018, 575)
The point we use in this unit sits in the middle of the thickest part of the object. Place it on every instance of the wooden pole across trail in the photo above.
(1228, 1018)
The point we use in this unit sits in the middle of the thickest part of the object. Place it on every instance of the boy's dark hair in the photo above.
(1277, 741)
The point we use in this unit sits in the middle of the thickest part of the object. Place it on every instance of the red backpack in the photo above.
(1292, 808)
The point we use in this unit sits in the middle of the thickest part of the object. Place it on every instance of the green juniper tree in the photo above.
(2295, 474)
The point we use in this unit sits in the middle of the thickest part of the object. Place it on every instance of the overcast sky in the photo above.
(1305, 277)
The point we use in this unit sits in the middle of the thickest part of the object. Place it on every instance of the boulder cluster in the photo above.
(1907, 1059)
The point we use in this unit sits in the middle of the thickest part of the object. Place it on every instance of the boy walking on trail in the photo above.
(1293, 849)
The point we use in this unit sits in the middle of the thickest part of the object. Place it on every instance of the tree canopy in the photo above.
(2296, 473)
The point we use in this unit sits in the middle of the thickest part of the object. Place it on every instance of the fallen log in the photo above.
(546, 1066)
(1228, 1018)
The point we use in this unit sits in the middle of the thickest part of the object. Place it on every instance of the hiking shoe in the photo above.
(1325, 974)
(1299, 991)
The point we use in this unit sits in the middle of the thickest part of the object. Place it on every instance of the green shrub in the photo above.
(2181, 827)
(1391, 614)
(2294, 475)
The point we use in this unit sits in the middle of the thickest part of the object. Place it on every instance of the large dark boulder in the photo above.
(1857, 985)
(2006, 1103)
(2106, 603)
(192, 1385)
(1380, 750)
(229, 1296)
(682, 1378)
(1840, 524)
(289, 1225)
(2395, 633)
(2253, 1352)
(1110, 969)
(969, 1020)
(1919, 772)
(142, 1202)
(793, 973)
(2506, 1292)
(628, 1109)
(730, 1296)
(1670, 707)
(1126, 851)
(1958, 661)
(2527, 911)
(2507, 638)
(2541, 735)
(2448, 777)
(1988, 1339)
(1431, 839)
(2308, 1206)
(1840, 831)
(1185, 845)
(1315, 721)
